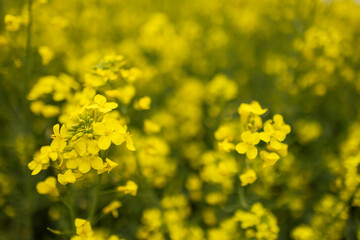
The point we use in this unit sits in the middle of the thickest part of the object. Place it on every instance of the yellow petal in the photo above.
(71, 164)
(100, 99)
(264, 136)
(32, 165)
(67, 177)
(96, 163)
(278, 119)
(255, 139)
(241, 148)
(251, 152)
(84, 166)
(53, 155)
(104, 142)
(269, 158)
(37, 169)
(268, 127)
(99, 128)
(56, 129)
(130, 143)
(248, 177)
(80, 147)
(117, 138)
(110, 105)
(246, 136)
(43, 188)
(275, 144)
(93, 147)
(256, 108)
(63, 130)
(279, 135)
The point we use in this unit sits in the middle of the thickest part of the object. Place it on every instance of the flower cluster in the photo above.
(78, 148)
(252, 131)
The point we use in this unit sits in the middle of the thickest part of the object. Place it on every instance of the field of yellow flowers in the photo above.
(179, 120)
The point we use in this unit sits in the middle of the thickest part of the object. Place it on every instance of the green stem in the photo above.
(70, 207)
(98, 218)
(95, 199)
(242, 198)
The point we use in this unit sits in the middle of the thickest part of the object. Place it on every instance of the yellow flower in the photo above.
(151, 127)
(124, 94)
(215, 198)
(112, 207)
(46, 54)
(227, 167)
(226, 146)
(87, 156)
(248, 177)
(143, 103)
(254, 108)
(59, 141)
(87, 162)
(247, 219)
(108, 166)
(303, 232)
(193, 183)
(67, 177)
(272, 136)
(109, 130)
(248, 145)
(132, 74)
(130, 188)
(83, 228)
(102, 105)
(275, 133)
(280, 125)
(48, 187)
(12, 23)
(86, 146)
(40, 161)
(269, 158)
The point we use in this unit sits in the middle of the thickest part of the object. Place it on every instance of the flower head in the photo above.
(130, 188)
(249, 140)
(102, 104)
(248, 177)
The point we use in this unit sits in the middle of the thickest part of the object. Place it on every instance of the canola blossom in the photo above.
(179, 120)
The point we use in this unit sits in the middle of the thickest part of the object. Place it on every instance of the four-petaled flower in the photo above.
(108, 166)
(102, 104)
(130, 188)
(87, 158)
(109, 130)
(41, 160)
(48, 187)
(249, 140)
(67, 177)
(248, 177)
(270, 158)
(83, 228)
(275, 132)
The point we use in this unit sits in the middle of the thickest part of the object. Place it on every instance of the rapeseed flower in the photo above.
(249, 140)
(248, 177)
